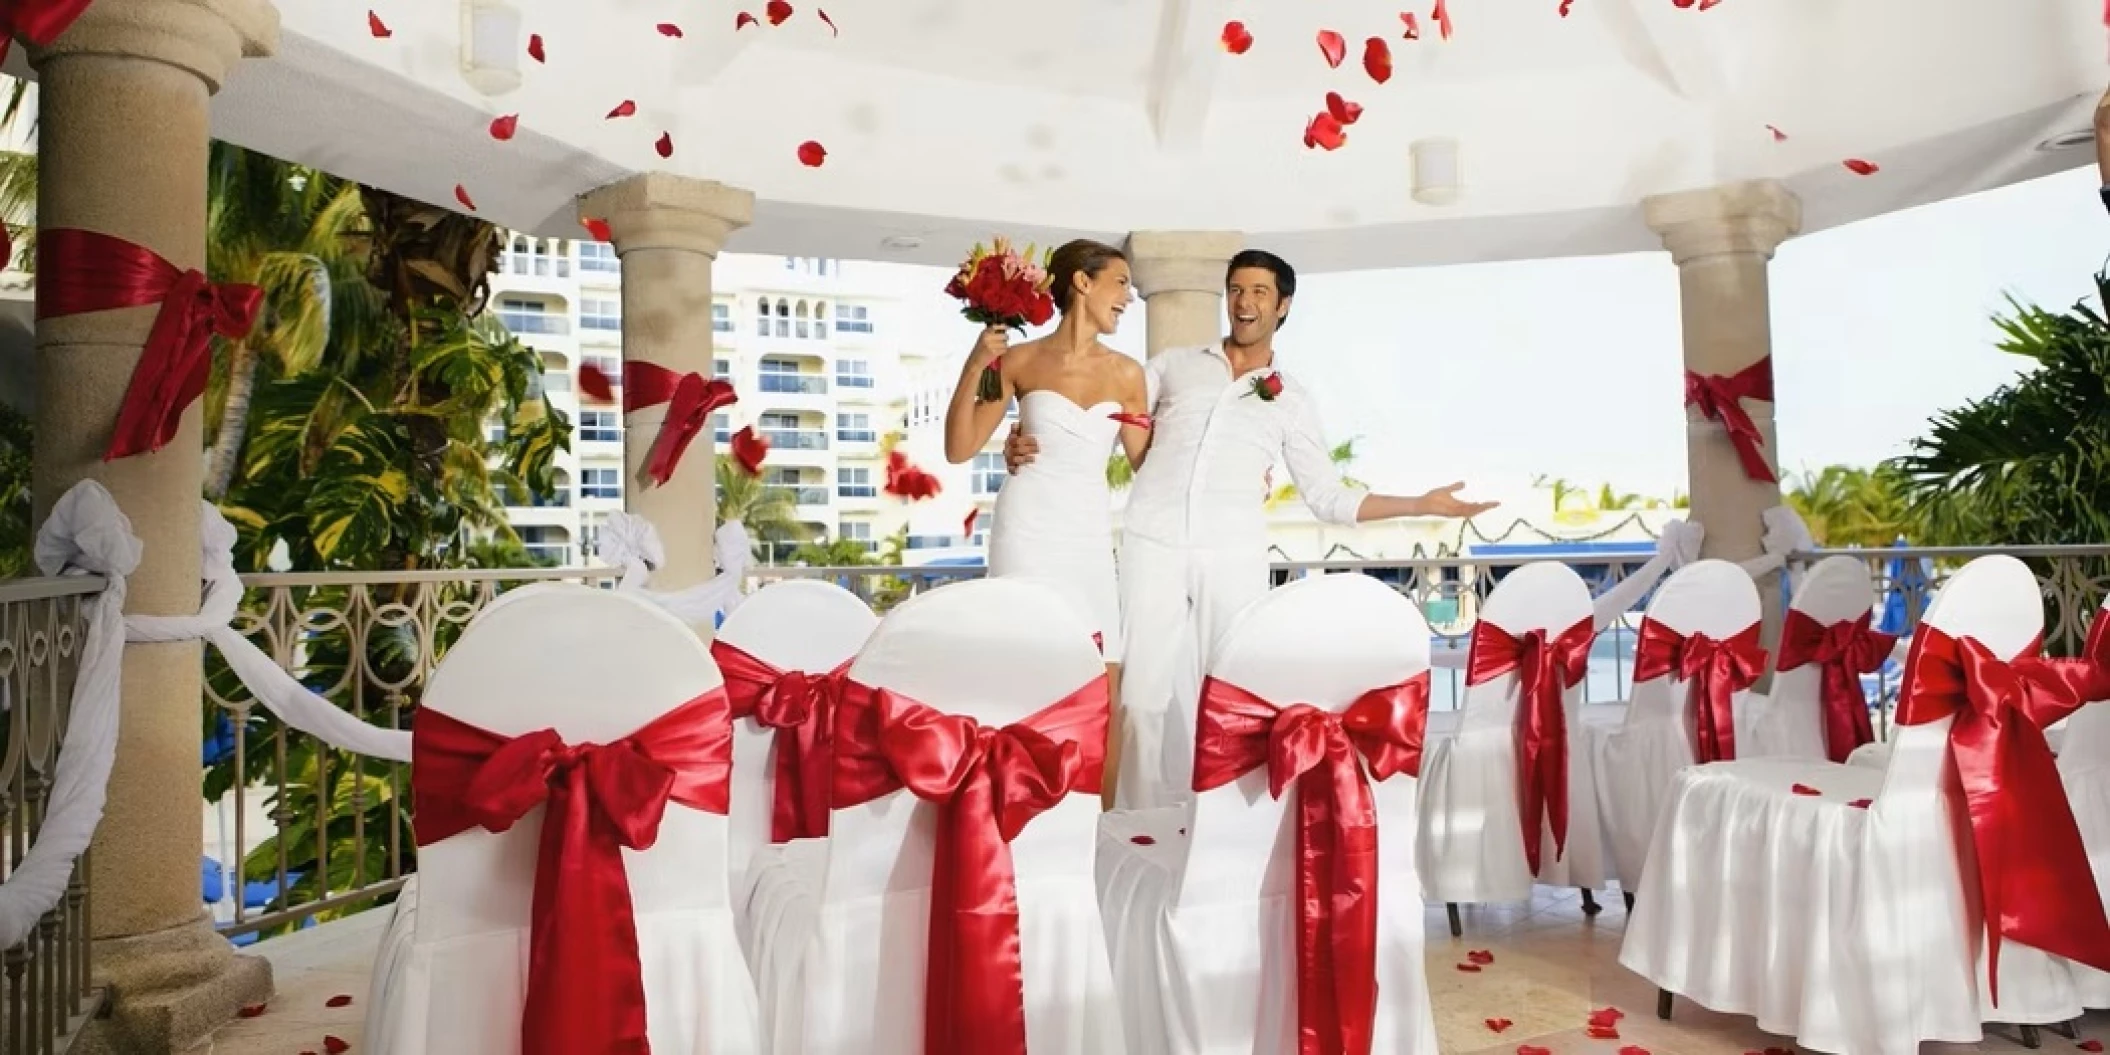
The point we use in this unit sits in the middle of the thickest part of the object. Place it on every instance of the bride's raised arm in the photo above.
(971, 420)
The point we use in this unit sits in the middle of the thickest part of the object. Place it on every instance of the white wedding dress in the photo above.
(1054, 523)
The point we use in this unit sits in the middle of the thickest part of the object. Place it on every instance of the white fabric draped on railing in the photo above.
(1677, 546)
(630, 542)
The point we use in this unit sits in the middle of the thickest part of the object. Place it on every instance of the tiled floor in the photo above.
(1552, 967)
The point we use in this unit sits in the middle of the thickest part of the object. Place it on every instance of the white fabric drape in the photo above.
(630, 542)
(1677, 546)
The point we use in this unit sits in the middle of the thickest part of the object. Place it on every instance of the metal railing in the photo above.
(797, 439)
(804, 384)
(530, 322)
(805, 496)
(47, 978)
(369, 641)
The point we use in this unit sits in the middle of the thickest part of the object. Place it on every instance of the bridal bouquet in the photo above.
(1000, 286)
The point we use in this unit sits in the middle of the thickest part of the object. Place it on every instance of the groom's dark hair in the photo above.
(1285, 275)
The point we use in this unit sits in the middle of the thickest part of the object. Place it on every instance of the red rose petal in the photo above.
(1142, 840)
(1602, 1033)
(335, 1045)
(251, 1010)
(744, 20)
(1804, 789)
(1499, 1024)
(665, 145)
(1861, 804)
(1565, 4)
(1332, 47)
(811, 154)
(377, 27)
(1481, 957)
(594, 382)
(503, 127)
(535, 48)
(1377, 60)
(967, 530)
(1705, 4)
(1606, 1016)
(826, 20)
(598, 229)
(1681, 4)
(1342, 110)
(1861, 168)
(669, 29)
(1236, 38)
(1533, 1049)
(626, 108)
(1778, 135)
(2090, 1045)
(1412, 25)
(1442, 17)
(777, 11)
(748, 450)
(1634, 1049)
(1469, 968)
(1324, 132)
(340, 1000)
(461, 194)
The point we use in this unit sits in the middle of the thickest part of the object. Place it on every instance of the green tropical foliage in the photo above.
(1845, 506)
(769, 513)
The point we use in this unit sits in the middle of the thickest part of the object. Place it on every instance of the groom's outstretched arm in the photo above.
(1311, 466)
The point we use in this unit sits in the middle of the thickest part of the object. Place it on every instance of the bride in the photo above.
(1053, 519)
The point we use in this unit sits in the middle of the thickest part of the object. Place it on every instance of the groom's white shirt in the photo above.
(1212, 443)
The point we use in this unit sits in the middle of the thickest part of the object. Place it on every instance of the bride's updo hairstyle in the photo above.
(1081, 256)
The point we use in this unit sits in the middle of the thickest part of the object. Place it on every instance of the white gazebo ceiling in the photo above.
(947, 120)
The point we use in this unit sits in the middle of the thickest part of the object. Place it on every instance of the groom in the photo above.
(1194, 550)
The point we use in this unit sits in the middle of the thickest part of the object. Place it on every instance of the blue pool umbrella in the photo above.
(1906, 578)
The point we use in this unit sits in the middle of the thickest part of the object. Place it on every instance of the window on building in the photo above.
(722, 426)
(600, 313)
(762, 316)
(857, 530)
(853, 373)
(804, 329)
(721, 368)
(600, 426)
(721, 318)
(820, 320)
(988, 473)
(598, 256)
(523, 307)
(601, 483)
(777, 366)
(779, 476)
(610, 366)
(783, 317)
(777, 420)
(854, 482)
(853, 318)
(855, 428)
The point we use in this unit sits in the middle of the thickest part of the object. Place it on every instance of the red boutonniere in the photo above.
(1267, 386)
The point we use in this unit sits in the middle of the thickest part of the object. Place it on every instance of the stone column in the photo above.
(1721, 239)
(1181, 277)
(667, 231)
(121, 146)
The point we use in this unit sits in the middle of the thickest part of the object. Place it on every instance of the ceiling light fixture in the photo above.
(2067, 140)
(491, 46)
(1436, 175)
(901, 241)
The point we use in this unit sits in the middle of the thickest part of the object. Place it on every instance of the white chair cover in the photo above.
(2084, 768)
(802, 625)
(1636, 760)
(841, 925)
(1203, 928)
(1832, 902)
(1790, 719)
(1471, 832)
(594, 665)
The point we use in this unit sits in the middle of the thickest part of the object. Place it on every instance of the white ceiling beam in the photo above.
(1183, 75)
(1677, 47)
(703, 56)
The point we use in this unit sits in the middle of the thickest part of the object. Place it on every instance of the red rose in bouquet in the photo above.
(1000, 286)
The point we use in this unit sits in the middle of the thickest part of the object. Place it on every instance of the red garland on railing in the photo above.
(1719, 397)
(85, 271)
(38, 21)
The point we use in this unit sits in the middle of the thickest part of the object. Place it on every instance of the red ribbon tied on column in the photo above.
(2033, 877)
(801, 708)
(585, 986)
(1331, 758)
(1845, 650)
(1716, 671)
(1546, 668)
(38, 21)
(987, 783)
(83, 271)
(1719, 398)
(690, 400)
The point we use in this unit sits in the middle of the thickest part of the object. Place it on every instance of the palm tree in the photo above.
(18, 176)
(767, 512)
(1850, 507)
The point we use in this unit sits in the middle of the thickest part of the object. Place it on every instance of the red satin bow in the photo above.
(1718, 399)
(2034, 882)
(1714, 669)
(801, 708)
(585, 987)
(690, 400)
(38, 21)
(1846, 650)
(83, 271)
(1237, 732)
(1546, 670)
(987, 783)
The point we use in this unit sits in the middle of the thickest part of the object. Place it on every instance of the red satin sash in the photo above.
(79, 272)
(1237, 732)
(585, 987)
(38, 21)
(1716, 670)
(1845, 650)
(690, 400)
(2034, 882)
(1546, 669)
(801, 708)
(1719, 398)
(987, 783)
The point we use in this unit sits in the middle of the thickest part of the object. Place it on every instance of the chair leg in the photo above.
(1457, 925)
(2030, 1039)
(2069, 1030)
(1629, 896)
(1663, 1004)
(1590, 905)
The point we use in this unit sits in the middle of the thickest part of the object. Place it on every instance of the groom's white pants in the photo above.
(1175, 602)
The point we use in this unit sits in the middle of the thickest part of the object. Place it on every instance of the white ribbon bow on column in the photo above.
(630, 542)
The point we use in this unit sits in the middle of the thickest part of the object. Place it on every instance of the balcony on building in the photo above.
(806, 487)
(534, 317)
(598, 264)
(794, 433)
(537, 264)
(601, 318)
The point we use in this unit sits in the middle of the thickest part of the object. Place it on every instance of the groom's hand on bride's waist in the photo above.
(1019, 448)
